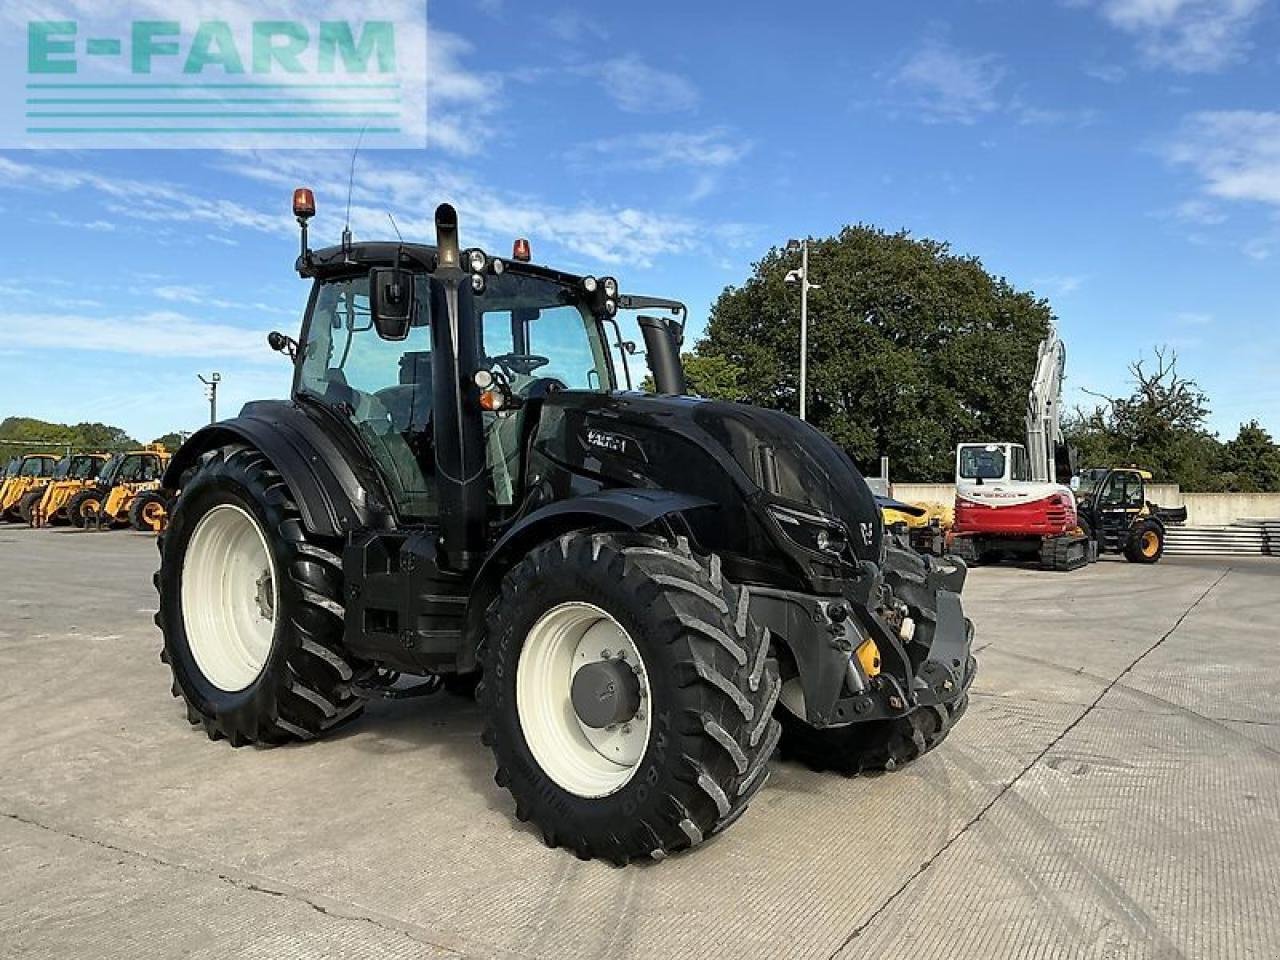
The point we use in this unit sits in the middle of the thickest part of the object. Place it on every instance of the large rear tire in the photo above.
(703, 732)
(251, 608)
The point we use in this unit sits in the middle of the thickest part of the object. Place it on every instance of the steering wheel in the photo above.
(521, 363)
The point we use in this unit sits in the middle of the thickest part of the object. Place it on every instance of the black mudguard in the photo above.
(626, 508)
(331, 497)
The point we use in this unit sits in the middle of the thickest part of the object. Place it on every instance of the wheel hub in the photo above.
(605, 693)
(264, 596)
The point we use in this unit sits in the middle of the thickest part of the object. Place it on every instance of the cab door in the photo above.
(1120, 499)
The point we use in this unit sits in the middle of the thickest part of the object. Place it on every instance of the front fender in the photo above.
(625, 508)
(331, 498)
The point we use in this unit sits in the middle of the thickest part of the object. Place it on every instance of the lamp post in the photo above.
(801, 277)
(211, 388)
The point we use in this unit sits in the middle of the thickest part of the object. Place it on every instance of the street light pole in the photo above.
(801, 276)
(212, 390)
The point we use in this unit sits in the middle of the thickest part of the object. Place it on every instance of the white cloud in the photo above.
(949, 85)
(202, 297)
(461, 101)
(156, 334)
(716, 148)
(1235, 152)
(1190, 36)
(1106, 72)
(1059, 285)
(1191, 318)
(147, 201)
(606, 233)
(574, 25)
(637, 87)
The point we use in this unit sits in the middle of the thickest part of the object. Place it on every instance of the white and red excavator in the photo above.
(1010, 503)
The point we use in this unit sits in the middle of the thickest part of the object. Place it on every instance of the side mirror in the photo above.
(391, 302)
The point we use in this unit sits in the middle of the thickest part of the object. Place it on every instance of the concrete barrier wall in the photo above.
(1214, 509)
(1203, 509)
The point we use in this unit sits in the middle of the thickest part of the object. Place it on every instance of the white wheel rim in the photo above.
(230, 597)
(583, 760)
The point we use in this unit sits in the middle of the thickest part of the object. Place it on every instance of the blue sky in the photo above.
(1121, 157)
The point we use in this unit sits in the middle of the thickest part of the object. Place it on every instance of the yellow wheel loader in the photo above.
(22, 474)
(123, 480)
(46, 505)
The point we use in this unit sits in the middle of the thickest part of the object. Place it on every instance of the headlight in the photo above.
(610, 287)
(477, 282)
(589, 284)
(819, 534)
(477, 261)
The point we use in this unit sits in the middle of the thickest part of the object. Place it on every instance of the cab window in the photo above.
(381, 387)
(1122, 490)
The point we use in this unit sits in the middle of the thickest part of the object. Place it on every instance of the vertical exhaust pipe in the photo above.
(662, 350)
(459, 429)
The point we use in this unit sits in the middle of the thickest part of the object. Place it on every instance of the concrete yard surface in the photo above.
(1113, 792)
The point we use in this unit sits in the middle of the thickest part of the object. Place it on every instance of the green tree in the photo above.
(28, 435)
(712, 377)
(171, 441)
(1251, 462)
(1160, 426)
(911, 347)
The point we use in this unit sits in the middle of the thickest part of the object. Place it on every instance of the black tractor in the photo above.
(645, 592)
(1116, 515)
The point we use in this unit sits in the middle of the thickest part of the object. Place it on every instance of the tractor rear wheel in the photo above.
(147, 511)
(251, 608)
(83, 507)
(628, 695)
(27, 505)
(1146, 543)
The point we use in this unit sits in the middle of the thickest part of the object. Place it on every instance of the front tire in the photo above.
(704, 682)
(148, 511)
(251, 608)
(83, 507)
(1146, 543)
(27, 506)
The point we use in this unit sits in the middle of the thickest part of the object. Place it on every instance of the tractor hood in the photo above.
(753, 465)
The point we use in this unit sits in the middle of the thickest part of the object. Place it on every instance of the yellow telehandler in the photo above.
(21, 475)
(42, 506)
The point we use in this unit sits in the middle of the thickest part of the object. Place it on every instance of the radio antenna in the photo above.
(351, 186)
(395, 228)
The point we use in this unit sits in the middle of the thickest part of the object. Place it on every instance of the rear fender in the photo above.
(330, 497)
(623, 508)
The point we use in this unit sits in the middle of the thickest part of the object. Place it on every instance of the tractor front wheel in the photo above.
(251, 608)
(628, 695)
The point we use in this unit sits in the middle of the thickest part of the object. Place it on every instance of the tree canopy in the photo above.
(28, 435)
(911, 347)
(1162, 426)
